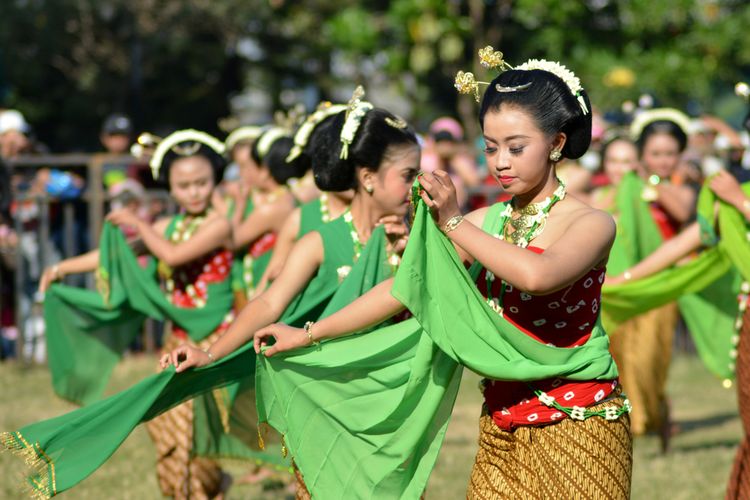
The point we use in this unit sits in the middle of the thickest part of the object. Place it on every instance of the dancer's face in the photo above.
(620, 158)
(250, 174)
(391, 184)
(517, 150)
(661, 154)
(191, 183)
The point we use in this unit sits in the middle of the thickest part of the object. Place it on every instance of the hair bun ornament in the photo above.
(184, 143)
(490, 58)
(301, 138)
(557, 69)
(355, 112)
(644, 118)
(249, 132)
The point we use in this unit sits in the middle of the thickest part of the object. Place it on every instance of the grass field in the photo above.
(697, 467)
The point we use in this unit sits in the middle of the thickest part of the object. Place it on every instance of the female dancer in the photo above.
(257, 218)
(194, 272)
(619, 156)
(311, 215)
(650, 209)
(380, 164)
(692, 238)
(371, 151)
(544, 257)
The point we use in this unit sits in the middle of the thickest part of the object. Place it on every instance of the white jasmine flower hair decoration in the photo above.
(324, 110)
(356, 110)
(490, 58)
(184, 143)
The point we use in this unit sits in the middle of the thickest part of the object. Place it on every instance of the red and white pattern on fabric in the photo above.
(564, 319)
(213, 268)
(262, 245)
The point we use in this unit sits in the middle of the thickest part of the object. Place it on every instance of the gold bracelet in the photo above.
(453, 223)
(211, 358)
(308, 331)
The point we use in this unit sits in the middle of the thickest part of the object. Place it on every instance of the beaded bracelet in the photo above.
(308, 327)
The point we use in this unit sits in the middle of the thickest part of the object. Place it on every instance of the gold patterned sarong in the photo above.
(180, 474)
(570, 459)
(642, 348)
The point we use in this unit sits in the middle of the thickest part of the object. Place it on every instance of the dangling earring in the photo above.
(555, 155)
(368, 188)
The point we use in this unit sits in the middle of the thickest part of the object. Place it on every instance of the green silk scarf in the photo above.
(364, 416)
(88, 331)
(706, 287)
(65, 450)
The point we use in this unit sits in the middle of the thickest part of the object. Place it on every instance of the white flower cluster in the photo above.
(306, 129)
(357, 110)
(570, 79)
(172, 140)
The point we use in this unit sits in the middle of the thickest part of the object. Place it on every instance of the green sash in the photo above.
(364, 416)
(87, 331)
(706, 288)
(65, 450)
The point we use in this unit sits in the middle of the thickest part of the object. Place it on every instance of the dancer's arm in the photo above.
(304, 260)
(212, 234)
(84, 263)
(728, 189)
(284, 244)
(372, 308)
(262, 220)
(678, 201)
(585, 243)
(666, 255)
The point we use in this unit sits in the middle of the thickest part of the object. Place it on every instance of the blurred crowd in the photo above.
(34, 196)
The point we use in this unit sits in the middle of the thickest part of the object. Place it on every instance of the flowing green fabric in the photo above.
(706, 288)
(88, 331)
(637, 233)
(364, 416)
(65, 450)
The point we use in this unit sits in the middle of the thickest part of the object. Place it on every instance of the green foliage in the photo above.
(68, 63)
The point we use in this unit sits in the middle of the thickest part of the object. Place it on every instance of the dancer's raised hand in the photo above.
(439, 193)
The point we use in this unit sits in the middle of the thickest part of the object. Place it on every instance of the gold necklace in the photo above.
(529, 222)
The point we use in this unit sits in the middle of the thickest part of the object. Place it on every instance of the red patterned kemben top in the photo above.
(564, 318)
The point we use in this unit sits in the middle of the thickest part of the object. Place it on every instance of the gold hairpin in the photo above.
(466, 84)
(398, 123)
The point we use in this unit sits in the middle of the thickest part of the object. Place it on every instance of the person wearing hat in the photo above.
(115, 136)
(13, 130)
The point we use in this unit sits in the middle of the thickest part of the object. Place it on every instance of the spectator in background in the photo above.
(8, 252)
(445, 149)
(116, 136)
(13, 130)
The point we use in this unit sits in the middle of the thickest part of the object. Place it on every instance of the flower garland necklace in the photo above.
(393, 259)
(325, 214)
(183, 232)
(531, 221)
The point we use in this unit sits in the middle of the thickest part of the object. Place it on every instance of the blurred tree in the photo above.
(68, 63)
